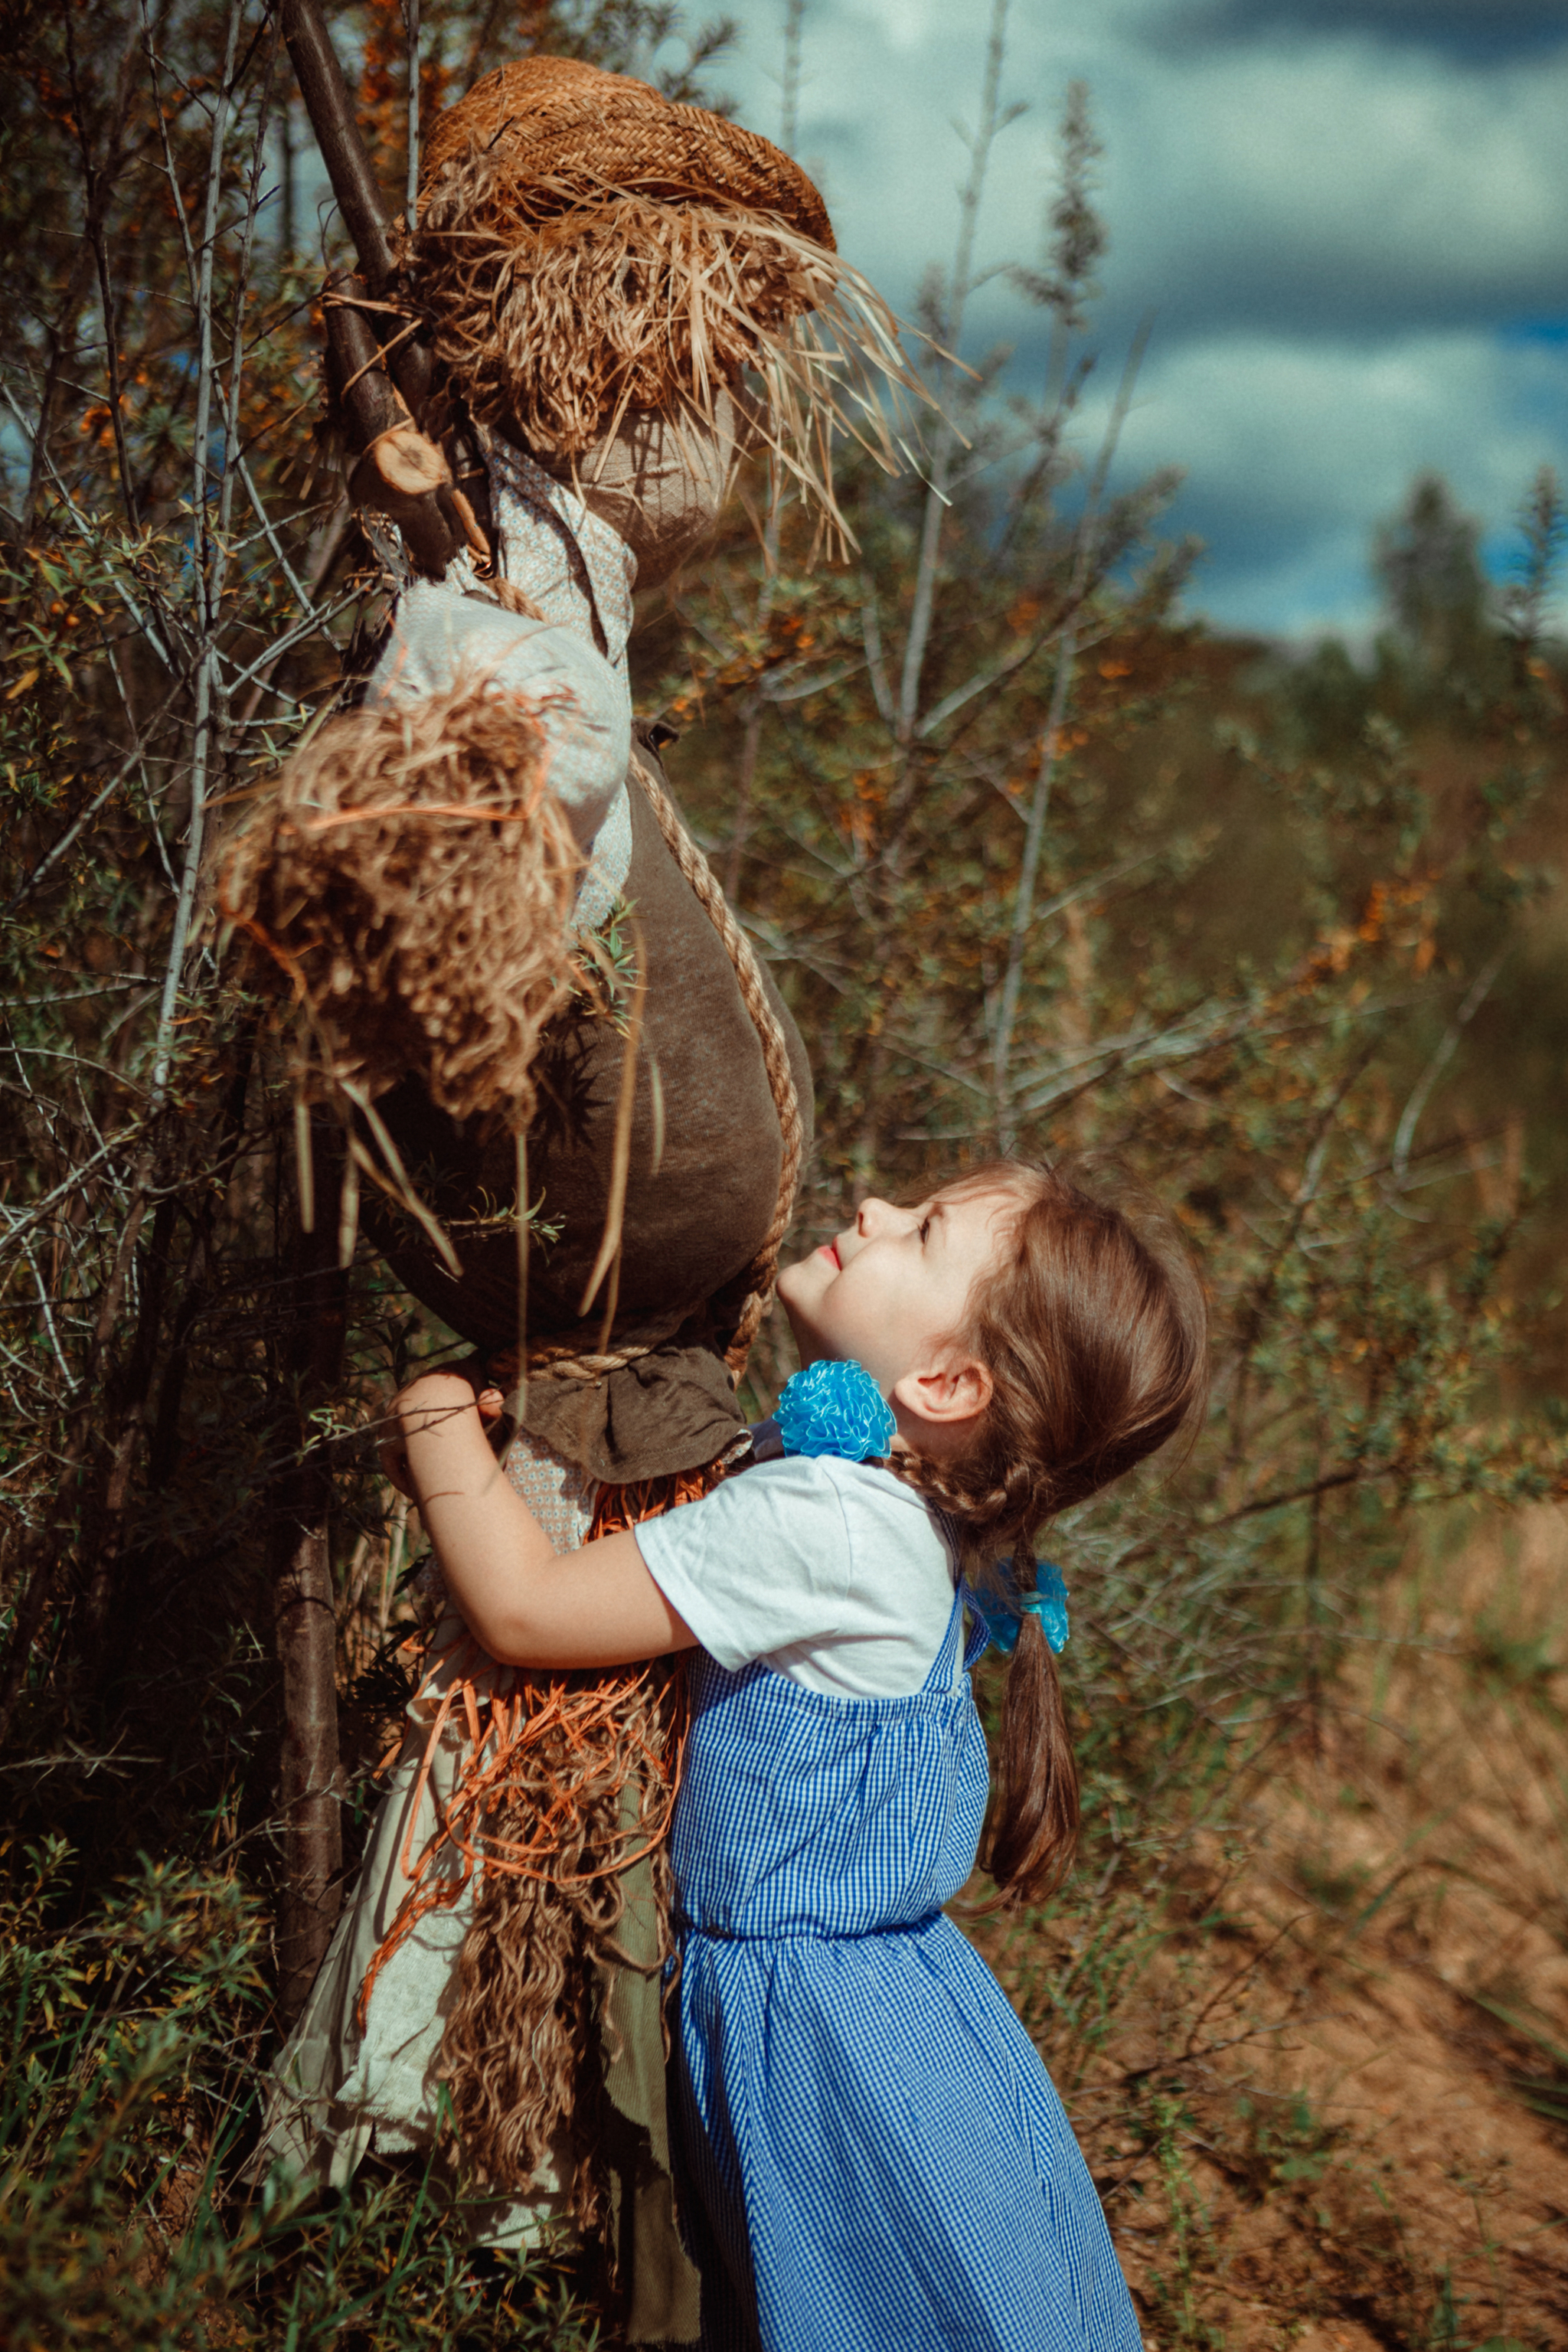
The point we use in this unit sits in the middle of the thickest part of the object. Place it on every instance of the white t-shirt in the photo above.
(835, 1574)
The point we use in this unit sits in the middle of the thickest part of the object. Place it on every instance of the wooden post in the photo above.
(377, 392)
(377, 395)
(309, 1791)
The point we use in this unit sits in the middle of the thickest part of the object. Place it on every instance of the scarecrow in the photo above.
(572, 1108)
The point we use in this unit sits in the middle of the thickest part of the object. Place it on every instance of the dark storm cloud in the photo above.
(1476, 29)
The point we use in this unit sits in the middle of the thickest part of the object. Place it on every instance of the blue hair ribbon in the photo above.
(833, 1406)
(1048, 1602)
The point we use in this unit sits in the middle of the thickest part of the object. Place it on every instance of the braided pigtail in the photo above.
(1032, 1832)
(1092, 1327)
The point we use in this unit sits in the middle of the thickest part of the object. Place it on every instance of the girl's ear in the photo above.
(954, 1390)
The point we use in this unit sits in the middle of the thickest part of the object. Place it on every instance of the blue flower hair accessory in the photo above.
(1048, 1602)
(835, 1407)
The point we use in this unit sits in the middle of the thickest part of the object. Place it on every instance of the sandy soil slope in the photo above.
(1323, 2073)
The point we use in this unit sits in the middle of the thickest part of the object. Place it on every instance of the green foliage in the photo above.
(1176, 2292)
(1286, 2143)
(128, 2085)
(1428, 564)
(110, 2025)
(1543, 529)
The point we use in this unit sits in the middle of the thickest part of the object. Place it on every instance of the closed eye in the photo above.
(925, 1225)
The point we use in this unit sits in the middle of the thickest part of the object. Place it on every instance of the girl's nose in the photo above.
(874, 1216)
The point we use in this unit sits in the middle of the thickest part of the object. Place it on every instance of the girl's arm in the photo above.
(526, 1603)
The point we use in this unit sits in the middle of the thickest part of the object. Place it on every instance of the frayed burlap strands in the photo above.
(410, 873)
(523, 2052)
(563, 316)
(569, 1782)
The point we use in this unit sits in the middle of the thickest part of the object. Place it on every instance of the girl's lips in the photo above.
(829, 1250)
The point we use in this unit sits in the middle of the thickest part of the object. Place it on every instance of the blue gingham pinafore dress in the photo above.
(875, 2157)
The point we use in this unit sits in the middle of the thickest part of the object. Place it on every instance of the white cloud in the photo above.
(1295, 448)
(1334, 231)
(1315, 427)
(1347, 174)
(1348, 177)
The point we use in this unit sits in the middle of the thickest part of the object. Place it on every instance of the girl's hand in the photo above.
(595, 1607)
(431, 1398)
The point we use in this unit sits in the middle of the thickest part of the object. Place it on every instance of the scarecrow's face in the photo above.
(661, 479)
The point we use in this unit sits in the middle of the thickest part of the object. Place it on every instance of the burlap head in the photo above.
(559, 124)
(587, 249)
(589, 253)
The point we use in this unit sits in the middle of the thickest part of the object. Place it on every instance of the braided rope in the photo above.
(565, 1362)
(561, 1360)
(763, 1269)
(511, 597)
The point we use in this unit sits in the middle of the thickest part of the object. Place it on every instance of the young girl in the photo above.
(874, 2155)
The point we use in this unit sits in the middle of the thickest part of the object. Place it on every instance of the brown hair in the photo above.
(1092, 1324)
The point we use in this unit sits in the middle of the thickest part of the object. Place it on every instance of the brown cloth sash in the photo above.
(692, 1225)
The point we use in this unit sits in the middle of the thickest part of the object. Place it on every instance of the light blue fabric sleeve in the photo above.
(762, 1564)
(441, 636)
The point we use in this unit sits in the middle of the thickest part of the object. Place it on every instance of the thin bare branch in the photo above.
(1086, 546)
(944, 439)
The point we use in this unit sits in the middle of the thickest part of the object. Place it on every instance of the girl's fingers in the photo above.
(395, 1467)
(491, 1404)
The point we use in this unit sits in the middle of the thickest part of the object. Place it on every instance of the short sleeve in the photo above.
(760, 1565)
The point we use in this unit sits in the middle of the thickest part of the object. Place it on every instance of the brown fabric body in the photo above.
(691, 1229)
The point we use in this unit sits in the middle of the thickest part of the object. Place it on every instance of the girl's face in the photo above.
(891, 1290)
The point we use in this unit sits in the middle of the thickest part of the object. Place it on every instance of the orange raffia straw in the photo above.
(599, 1747)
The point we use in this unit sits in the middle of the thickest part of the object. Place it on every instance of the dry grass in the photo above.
(410, 874)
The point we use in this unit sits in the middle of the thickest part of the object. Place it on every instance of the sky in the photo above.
(1347, 221)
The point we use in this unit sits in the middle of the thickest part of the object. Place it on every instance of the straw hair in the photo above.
(412, 874)
(586, 249)
(607, 305)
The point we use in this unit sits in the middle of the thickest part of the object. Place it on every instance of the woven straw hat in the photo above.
(558, 121)
(588, 251)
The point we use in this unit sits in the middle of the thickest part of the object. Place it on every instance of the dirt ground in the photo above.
(1331, 2110)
